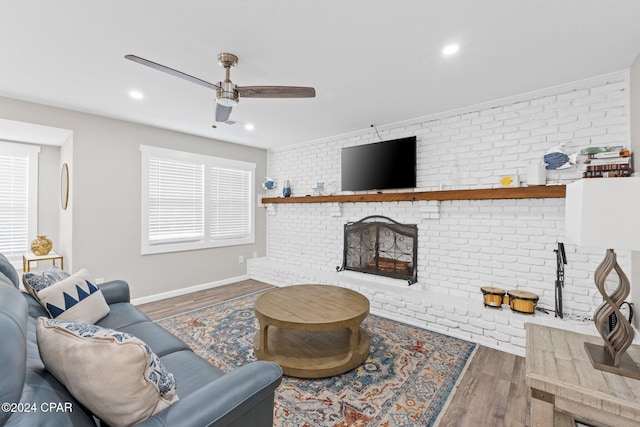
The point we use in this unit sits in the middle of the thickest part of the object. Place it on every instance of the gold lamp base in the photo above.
(600, 359)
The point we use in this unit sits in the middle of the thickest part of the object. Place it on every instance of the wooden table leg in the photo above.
(542, 408)
(354, 338)
(261, 344)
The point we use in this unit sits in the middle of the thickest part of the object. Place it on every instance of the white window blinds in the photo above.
(176, 201)
(192, 201)
(231, 197)
(18, 198)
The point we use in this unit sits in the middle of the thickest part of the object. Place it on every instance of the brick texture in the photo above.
(462, 245)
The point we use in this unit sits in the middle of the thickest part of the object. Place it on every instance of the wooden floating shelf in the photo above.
(533, 192)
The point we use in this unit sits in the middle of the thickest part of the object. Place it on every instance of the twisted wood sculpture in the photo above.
(618, 339)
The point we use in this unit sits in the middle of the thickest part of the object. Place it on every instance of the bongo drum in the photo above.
(522, 301)
(492, 296)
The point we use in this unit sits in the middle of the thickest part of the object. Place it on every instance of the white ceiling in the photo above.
(371, 61)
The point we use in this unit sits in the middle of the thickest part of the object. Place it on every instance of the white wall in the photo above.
(49, 192)
(463, 245)
(104, 214)
(65, 217)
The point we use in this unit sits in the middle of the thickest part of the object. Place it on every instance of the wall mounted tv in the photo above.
(380, 166)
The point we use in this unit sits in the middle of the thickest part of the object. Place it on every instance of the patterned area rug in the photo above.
(405, 381)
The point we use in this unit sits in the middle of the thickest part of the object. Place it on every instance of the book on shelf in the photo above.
(609, 167)
(608, 174)
(611, 164)
(610, 161)
(609, 154)
(604, 155)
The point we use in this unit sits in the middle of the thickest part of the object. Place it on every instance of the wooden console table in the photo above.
(562, 381)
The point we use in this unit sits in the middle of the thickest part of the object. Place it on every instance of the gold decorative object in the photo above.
(41, 245)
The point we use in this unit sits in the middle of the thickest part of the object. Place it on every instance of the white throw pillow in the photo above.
(75, 298)
(114, 374)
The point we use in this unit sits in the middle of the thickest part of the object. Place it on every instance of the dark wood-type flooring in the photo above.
(492, 391)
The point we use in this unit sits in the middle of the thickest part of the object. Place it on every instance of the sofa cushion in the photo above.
(35, 282)
(191, 371)
(121, 315)
(42, 388)
(114, 374)
(75, 298)
(160, 340)
(7, 270)
(13, 325)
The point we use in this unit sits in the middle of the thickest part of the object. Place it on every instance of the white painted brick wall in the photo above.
(463, 245)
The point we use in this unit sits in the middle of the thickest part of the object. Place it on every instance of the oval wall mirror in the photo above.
(64, 186)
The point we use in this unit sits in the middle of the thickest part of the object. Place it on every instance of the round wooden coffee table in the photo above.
(312, 331)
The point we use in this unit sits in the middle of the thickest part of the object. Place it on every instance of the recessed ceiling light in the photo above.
(249, 126)
(136, 94)
(450, 49)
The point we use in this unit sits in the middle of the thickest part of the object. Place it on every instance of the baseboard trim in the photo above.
(190, 289)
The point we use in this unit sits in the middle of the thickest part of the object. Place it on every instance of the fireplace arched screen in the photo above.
(379, 245)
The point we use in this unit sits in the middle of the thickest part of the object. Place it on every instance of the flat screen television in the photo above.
(380, 166)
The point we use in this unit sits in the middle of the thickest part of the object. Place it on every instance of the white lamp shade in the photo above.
(604, 213)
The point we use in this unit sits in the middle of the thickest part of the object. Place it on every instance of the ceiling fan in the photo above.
(227, 93)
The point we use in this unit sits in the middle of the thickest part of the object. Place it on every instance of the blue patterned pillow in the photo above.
(35, 282)
(114, 374)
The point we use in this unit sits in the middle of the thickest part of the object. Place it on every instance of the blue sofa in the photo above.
(31, 396)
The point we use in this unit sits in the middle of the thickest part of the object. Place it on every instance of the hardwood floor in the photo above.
(491, 393)
(176, 305)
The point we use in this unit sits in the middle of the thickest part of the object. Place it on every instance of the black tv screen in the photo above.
(380, 166)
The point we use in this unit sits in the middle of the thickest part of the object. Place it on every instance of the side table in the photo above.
(28, 258)
(562, 380)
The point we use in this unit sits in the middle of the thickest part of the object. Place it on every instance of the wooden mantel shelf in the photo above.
(534, 192)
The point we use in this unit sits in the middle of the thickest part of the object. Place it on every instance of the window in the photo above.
(193, 201)
(18, 199)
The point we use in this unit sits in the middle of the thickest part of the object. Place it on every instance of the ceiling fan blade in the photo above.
(222, 112)
(275, 92)
(171, 71)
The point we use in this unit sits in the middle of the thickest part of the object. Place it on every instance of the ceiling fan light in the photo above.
(227, 102)
(227, 94)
